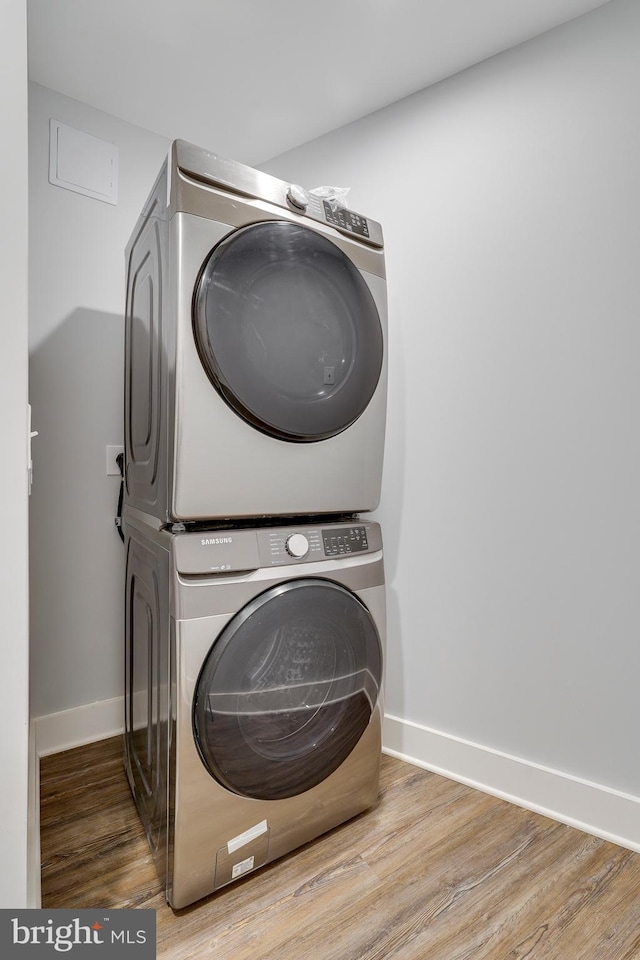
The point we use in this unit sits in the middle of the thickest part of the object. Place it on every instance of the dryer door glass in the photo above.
(287, 689)
(288, 331)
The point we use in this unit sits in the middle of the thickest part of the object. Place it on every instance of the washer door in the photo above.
(288, 331)
(287, 689)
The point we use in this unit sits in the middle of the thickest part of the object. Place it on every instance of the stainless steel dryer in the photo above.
(254, 661)
(255, 351)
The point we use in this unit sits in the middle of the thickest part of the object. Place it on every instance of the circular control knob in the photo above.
(297, 545)
(297, 197)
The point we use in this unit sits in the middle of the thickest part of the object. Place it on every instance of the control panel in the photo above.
(226, 551)
(306, 544)
(347, 540)
(345, 219)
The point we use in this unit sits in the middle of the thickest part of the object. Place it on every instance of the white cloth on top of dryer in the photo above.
(336, 196)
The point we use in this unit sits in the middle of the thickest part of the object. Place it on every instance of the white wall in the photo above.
(76, 331)
(14, 645)
(510, 204)
(509, 201)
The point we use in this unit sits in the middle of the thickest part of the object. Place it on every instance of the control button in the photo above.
(297, 197)
(297, 545)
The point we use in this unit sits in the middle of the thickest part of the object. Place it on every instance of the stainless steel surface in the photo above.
(188, 455)
(206, 834)
(146, 742)
(211, 168)
(222, 466)
(145, 395)
(206, 200)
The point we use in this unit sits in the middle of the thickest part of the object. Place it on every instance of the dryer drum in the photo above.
(287, 331)
(287, 689)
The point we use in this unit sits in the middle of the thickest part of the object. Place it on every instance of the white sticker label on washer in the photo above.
(243, 867)
(251, 834)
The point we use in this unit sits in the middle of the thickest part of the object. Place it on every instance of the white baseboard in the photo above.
(80, 725)
(590, 807)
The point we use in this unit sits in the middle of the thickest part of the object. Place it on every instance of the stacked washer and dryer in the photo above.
(255, 400)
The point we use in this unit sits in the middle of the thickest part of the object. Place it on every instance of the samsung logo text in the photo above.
(212, 540)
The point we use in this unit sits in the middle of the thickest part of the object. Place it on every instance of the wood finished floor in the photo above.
(437, 871)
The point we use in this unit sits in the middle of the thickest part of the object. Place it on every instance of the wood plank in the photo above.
(437, 870)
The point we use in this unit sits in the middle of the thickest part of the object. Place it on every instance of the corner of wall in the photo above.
(591, 807)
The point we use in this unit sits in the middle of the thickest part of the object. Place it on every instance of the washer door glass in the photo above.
(288, 331)
(287, 689)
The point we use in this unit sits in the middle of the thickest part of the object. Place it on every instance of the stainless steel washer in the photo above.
(254, 663)
(255, 348)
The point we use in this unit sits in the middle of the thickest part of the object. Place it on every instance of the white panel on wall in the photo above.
(82, 163)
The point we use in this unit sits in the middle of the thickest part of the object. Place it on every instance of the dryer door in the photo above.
(288, 331)
(287, 689)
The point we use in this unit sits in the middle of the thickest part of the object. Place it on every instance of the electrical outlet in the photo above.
(113, 470)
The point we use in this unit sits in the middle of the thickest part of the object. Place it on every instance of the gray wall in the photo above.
(14, 637)
(509, 200)
(77, 292)
(510, 204)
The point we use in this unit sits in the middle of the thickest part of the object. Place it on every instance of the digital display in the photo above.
(345, 540)
(345, 219)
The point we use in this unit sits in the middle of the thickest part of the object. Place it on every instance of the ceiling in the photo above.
(253, 78)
